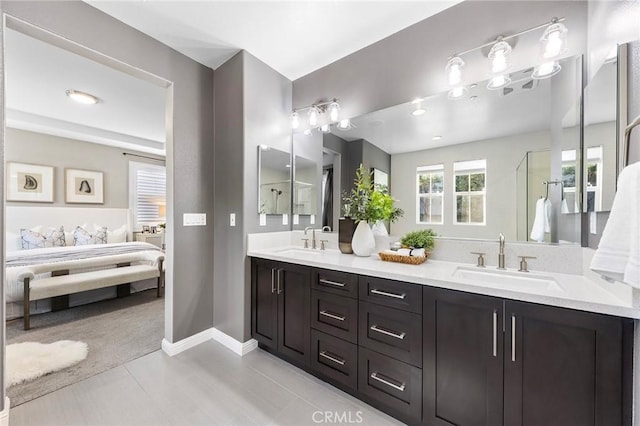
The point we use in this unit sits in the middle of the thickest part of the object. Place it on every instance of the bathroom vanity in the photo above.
(448, 344)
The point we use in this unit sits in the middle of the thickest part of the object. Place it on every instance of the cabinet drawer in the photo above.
(335, 315)
(390, 293)
(335, 359)
(335, 282)
(391, 332)
(396, 386)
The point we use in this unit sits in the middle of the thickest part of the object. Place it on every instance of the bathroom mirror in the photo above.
(274, 181)
(485, 133)
(304, 186)
(600, 139)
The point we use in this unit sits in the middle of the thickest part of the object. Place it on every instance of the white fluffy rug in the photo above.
(29, 360)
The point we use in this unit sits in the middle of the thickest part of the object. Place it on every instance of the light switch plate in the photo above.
(285, 219)
(312, 219)
(593, 222)
(232, 219)
(194, 219)
(296, 219)
(263, 219)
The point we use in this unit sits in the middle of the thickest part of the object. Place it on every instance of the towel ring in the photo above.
(627, 140)
(554, 182)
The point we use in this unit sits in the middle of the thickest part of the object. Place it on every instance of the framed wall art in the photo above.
(84, 187)
(29, 182)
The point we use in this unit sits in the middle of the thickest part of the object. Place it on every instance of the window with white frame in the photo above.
(568, 167)
(470, 192)
(430, 187)
(594, 178)
(147, 194)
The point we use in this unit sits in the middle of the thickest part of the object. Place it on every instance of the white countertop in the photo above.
(575, 292)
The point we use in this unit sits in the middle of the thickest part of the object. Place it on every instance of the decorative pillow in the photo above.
(82, 237)
(30, 239)
(117, 235)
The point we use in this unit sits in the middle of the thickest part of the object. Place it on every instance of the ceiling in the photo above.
(130, 113)
(293, 37)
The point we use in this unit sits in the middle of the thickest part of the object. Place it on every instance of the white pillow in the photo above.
(117, 235)
(13, 241)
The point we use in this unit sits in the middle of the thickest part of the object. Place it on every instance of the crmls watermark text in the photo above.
(337, 417)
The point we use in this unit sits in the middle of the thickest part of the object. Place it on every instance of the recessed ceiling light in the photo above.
(81, 97)
(473, 98)
(473, 86)
(436, 138)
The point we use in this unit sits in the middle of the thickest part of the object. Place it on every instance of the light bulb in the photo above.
(334, 111)
(546, 70)
(454, 70)
(295, 121)
(498, 56)
(344, 124)
(554, 40)
(325, 128)
(313, 116)
(457, 92)
(498, 82)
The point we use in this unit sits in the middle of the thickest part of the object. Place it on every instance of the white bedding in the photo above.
(18, 260)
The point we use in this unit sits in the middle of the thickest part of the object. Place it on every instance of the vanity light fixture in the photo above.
(81, 97)
(418, 109)
(344, 124)
(498, 82)
(458, 92)
(315, 110)
(546, 70)
(553, 44)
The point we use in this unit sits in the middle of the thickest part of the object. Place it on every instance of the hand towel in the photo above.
(541, 221)
(565, 208)
(618, 254)
(411, 252)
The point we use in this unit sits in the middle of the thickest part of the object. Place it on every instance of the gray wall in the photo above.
(189, 154)
(253, 103)
(37, 148)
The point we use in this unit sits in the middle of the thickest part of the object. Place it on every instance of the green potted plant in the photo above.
(368, 205)
(424, 238)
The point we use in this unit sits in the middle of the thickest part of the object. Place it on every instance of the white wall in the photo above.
(37, 148)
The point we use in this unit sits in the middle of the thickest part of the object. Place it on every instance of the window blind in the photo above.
(149, 195)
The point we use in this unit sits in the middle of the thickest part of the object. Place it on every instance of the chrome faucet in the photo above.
(501, 254)
(313, 236)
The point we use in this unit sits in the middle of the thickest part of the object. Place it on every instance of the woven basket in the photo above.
(411, 260)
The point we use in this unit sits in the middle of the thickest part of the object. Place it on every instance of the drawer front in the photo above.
(391, 332)
(394, 294)
(335, 315)
(396, 386)
(335, 359)
(335, 282)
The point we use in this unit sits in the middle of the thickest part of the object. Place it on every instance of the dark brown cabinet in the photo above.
(280, 309)
(564, 367)
(490, 361)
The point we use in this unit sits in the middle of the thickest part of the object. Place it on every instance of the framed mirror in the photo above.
(476, 166)
(274, 181)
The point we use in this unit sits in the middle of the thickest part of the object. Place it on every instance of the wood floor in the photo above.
(206, 385)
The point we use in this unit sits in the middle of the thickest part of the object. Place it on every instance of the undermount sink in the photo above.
(495, 278)
(299, 252)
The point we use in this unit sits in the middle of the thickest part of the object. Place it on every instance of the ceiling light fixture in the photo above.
(498, 82)
(81, 97)
(473, 98)
(436, 138)
(553, 44)
(458, 92)
(418, 109)
(454, 70)
(315, 111)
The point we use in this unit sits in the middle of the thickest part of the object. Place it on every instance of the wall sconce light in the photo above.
(553, 44)
(315, 110)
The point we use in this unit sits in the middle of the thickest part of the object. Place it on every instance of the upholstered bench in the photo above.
(123, 269)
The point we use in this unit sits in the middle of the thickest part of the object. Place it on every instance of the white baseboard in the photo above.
(238, 347)
(212, 333)
(4, 414)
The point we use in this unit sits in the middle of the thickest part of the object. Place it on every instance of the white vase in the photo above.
(380, 235)
(363, 243)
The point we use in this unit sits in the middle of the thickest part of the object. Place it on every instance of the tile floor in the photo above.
(206, 385)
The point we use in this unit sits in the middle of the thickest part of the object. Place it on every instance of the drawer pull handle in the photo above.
(337, 360)
(388, 333)
(495, 333)
(333, 283)
(513, 338)
(273, 280)
(376, 376)
(333, 316)
(384, 293)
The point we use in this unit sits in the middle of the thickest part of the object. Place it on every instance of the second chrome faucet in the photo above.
(501, 253)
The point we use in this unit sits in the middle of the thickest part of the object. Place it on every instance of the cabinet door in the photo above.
(562, 367)
(463, 345)
(264, 303)
(293, 287)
